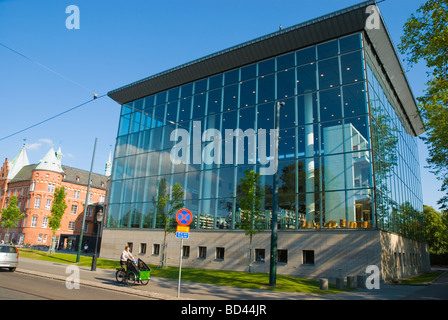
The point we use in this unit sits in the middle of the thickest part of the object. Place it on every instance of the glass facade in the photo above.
(399, 199)
(327, 155)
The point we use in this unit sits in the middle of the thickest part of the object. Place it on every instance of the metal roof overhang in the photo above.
(337, 24)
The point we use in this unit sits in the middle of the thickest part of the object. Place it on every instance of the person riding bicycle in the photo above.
(125, 255)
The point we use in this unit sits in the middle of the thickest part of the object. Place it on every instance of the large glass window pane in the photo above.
(230, 98)
(148, 215)
(122, 144)
(149, 101)
(334, 214)
(285, 62)
(359, 208)
(360, 132)
(247, 118)
(225, 188)
(330, 104)
(161, 98)
(307, 108)
(328, 73)
(287, 143)
(231, 77)
(186, 90)
(355, 102)
(214, 101)
(115, 193)
(266, 67)
(171, 112)
(266, 88)
(358, 170)
(286, 83)
(306, 78)
(265, 117)
(124, 125)
(288, 113)
(333, 167)
(206, 214)
(306, 56)
(224, 213)
(192, 187)
(184, 111)
(199, 103)
(159, 116)
(350, 43)
(248, 72)
(173, 94)
(153, 165)
(328, 49)
(352, 67)
(215, 82)
(200, 86)
(332, 140)
(247, 93)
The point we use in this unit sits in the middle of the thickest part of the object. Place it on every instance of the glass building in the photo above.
(347, 150)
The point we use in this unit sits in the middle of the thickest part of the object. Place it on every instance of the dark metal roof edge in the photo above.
(112, 93)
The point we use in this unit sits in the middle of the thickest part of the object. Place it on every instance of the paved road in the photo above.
(20, 286)
(165, 289)
(438, 290)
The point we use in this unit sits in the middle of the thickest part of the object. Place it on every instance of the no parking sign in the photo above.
(183, 218)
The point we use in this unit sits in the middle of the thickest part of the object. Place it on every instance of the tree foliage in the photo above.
(57, 209)
(11, 215)
(249, 199)
(167, 204)
(426, 38)
(436, 224)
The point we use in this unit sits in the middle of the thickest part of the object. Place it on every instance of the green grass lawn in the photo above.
(217, 277)
(423, 278)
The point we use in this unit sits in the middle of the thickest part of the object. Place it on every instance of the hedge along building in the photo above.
(350, 192)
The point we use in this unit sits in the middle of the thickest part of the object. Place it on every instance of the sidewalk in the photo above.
(166, 289)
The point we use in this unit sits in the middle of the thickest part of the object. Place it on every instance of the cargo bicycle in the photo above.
(137, 272)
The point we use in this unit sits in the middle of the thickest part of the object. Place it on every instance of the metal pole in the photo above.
(93, 267)
(85, 205)
(180, 265)
(274, 223)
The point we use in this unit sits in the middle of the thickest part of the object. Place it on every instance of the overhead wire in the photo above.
(95, 95)
(53, 117)
(47, 68)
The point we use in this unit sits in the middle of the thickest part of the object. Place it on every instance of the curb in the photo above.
(122, 289)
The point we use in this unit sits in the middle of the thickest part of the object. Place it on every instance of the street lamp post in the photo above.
(99, 219)
(274, 223)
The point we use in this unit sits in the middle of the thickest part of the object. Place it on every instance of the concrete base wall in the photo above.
(337, 253)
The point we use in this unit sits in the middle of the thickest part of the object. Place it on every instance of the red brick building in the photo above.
(34, 185)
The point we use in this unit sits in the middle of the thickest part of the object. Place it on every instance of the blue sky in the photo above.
(120, 42)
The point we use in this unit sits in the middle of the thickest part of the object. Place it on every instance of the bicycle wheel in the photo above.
(144, 281)
(131, 278)
(120, 275)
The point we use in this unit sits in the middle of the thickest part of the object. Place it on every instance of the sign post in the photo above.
(183, 218)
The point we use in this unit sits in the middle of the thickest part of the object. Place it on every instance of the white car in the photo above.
(9, 257)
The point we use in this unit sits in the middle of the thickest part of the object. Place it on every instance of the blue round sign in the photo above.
(184, 217)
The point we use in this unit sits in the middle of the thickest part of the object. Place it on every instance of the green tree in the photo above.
(57, 211)
(436, 225)
(167, 205)
(250, 195)
(11, 216)
(426, 38)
